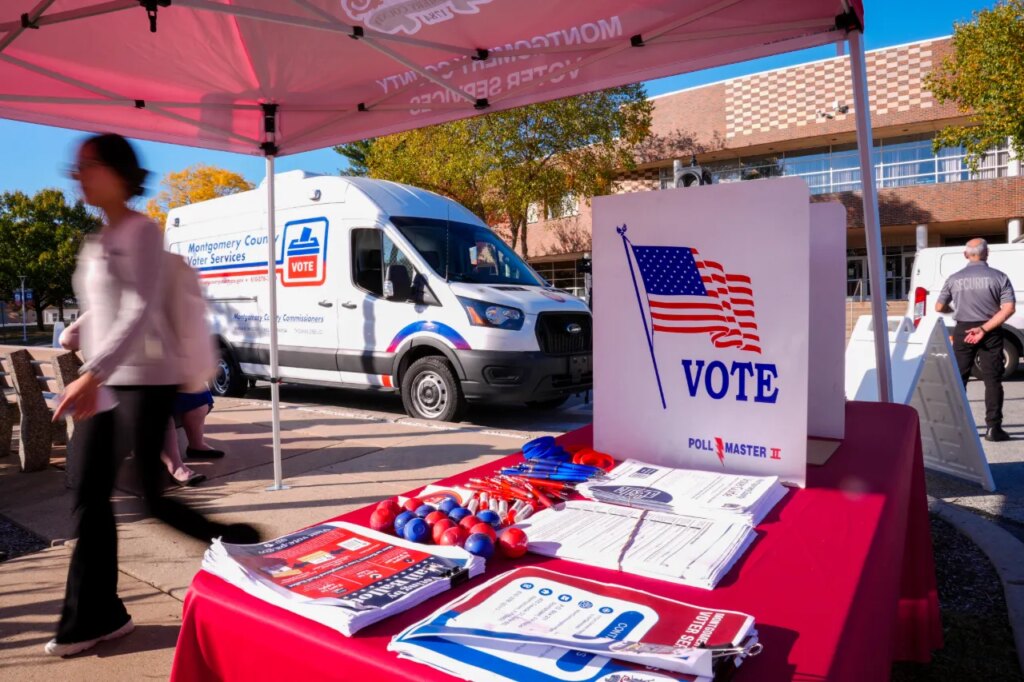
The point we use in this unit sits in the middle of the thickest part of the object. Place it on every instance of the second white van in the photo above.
(933, 266)
(385, 287)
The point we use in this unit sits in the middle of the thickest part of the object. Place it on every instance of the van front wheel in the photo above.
(430, 390)
(1011, 361)
(229, 380)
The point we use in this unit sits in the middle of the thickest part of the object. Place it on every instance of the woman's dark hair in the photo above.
(117, 153)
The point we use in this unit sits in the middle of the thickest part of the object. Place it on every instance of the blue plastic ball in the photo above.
(480, 545)
(416, 530)
(489, 516)
(447, 504)
(402, 519)
(423, 510)
(458, 514)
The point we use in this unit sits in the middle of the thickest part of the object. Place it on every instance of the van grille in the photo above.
(554, 339)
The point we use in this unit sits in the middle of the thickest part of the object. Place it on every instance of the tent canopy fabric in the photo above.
(343, 70)
(276, 77)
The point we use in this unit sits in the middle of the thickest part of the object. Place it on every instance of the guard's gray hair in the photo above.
(980, 249)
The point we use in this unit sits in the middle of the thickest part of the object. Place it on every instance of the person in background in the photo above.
(123, 396)
(190, 410)
(982, 300)
(171, 456)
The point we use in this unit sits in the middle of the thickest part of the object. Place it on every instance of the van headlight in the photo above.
(483, 314)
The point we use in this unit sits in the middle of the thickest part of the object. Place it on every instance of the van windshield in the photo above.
(460, 252)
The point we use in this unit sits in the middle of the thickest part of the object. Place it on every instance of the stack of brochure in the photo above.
(341, 575)
(689, 550)
(534, 624)
(687, 491)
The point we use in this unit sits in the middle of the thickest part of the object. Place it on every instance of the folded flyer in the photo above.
(687, 491)
(341, 575)
(535, 625)
(689, 550)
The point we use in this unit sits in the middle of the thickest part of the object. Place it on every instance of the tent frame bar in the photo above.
(38, 20)
(872, 221)
(28, 66)
(28, 20)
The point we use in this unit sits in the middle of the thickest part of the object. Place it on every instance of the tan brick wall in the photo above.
(782, 105)
(946, 202)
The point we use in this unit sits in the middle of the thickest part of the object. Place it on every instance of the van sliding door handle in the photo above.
(325, 304)
(349, 304)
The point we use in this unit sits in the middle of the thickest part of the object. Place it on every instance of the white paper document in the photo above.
(684, 549)
(542, 626)
(686, 491)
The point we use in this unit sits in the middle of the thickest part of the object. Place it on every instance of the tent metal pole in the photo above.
(275, 386)
(14, 31)
(872, 223)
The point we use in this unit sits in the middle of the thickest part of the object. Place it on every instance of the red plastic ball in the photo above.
(435, 516)
(468, 522)
(438, 529)
(382, 520)
(412, 504)
(485, 528)
(391, 504)
(453, 536)
(512, 543)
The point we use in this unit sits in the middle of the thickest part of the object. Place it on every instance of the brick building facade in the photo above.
(800, 121)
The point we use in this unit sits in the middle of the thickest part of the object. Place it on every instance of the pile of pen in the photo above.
(548, 476)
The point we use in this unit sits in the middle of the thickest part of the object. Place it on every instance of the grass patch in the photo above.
(978, 641)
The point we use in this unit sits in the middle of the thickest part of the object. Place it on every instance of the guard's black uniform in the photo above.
(976, 293)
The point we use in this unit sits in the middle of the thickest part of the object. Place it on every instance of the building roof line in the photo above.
(796, 66)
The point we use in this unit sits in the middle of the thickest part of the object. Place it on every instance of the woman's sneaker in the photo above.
(54, 648)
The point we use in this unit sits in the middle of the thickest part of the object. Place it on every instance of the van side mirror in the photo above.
(397, 283)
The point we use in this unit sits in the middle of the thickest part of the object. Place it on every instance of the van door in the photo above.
(371, 326)
(308, 275)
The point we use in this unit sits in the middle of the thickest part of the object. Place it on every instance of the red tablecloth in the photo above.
(841, 582)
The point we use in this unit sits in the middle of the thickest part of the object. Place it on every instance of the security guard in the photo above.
(982, 300)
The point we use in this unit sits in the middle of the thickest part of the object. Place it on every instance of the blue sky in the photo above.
(33, 155)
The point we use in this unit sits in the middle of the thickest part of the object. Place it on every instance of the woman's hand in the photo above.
(80, 398)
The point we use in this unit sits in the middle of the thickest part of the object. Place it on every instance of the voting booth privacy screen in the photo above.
(701, 315)
(926, 377)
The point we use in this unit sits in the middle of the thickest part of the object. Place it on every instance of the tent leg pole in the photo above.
(872, 223)
(275, 386)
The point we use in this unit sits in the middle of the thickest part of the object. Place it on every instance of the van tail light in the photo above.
(920, 310)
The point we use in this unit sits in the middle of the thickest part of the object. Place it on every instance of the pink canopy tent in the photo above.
(276, 77)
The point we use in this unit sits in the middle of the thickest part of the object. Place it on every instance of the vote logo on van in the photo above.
(305, 248)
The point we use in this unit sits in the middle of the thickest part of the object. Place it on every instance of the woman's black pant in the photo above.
(138, 424)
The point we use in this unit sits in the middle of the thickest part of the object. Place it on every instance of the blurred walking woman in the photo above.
(124, 394)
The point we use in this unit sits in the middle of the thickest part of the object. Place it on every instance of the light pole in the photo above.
(24, 312)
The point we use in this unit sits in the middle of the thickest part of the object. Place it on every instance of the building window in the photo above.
(567, 207)
(533, 213)
(899, 162)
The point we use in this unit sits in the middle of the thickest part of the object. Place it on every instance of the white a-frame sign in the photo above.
(925, 376)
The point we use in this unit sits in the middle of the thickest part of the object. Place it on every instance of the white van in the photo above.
(932, 267)
(386, 287)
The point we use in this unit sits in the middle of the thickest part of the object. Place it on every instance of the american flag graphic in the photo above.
(687, 294)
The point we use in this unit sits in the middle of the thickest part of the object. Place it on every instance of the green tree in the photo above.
(39, 238)
(499, 164)
(984, 75)
(356, 153)
(192, 185)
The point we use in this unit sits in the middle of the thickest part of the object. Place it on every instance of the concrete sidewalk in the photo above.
(335, 460)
